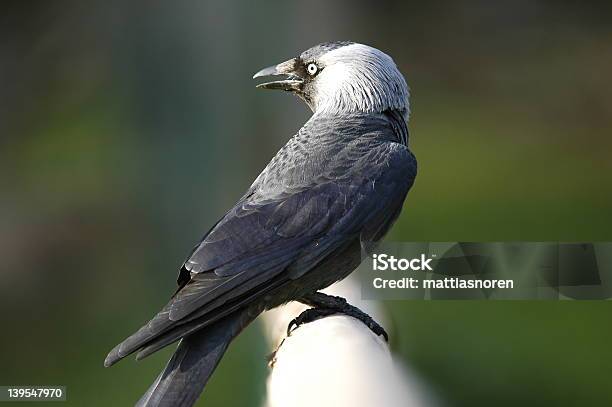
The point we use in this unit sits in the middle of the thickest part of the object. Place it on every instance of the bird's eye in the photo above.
(312, 68)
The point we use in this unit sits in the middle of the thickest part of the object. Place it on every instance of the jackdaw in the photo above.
(331, 193)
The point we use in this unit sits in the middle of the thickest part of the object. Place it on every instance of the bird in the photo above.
(325, 199)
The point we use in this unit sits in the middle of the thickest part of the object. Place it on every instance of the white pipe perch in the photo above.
(337, 361)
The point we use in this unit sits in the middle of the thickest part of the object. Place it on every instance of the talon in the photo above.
(308, 315)
(379, 331)
(292, 325)
(328, 304)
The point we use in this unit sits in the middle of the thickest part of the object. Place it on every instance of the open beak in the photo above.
(291, 81)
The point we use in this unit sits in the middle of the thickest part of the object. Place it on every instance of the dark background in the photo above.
(127, 128)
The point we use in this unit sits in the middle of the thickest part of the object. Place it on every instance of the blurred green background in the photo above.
(127, 128)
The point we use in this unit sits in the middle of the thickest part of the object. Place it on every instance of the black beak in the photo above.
(292, 82)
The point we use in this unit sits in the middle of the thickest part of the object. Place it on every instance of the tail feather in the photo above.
(161, 331)
(194, 361)
(194, 324)
(168, 338)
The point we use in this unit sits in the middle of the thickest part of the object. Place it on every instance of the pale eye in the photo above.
(312, 68)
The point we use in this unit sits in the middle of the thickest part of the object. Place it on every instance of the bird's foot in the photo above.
(309, 315)
(325, 305)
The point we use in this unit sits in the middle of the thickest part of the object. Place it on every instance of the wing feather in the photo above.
(272, 236)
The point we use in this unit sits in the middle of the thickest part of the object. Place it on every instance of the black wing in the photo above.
(264, 241)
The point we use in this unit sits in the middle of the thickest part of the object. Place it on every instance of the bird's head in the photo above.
(342, 77)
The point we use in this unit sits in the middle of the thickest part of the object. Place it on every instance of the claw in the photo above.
(309, 315)
(292, 326)
(379, 330)
(325, 305)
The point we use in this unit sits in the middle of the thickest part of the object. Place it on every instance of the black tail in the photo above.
(194, 361)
